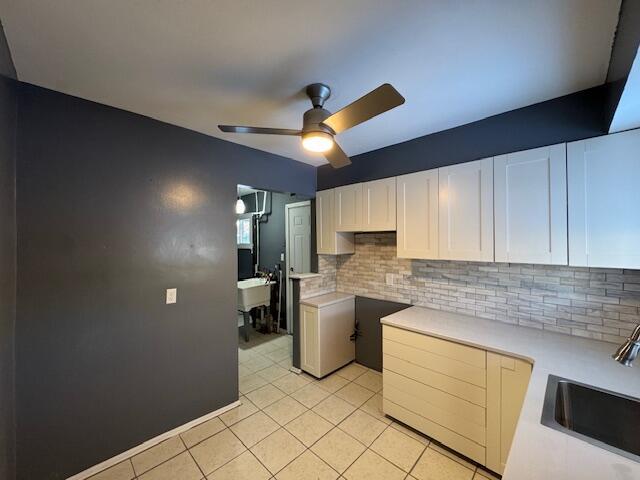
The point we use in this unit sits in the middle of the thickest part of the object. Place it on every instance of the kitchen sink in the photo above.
(605, 419)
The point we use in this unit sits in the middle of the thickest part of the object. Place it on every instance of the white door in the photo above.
(466, 211)
(299, 238)
(530, 200)
(604, 201)
(417, 215)
(298, 246)
(348, 208)
(379, 203)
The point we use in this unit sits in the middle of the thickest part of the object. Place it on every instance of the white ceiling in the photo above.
(627, 114)
(200, 63)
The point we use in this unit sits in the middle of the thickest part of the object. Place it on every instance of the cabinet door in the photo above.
(348, 208)
(328, 241)
(417, 215)
(466, 211)
(604, 195)
(507, 381)
(309, 340)
(530, 195)
(379, 205)
(325, 231)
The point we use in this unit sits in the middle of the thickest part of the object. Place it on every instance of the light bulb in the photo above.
(240, 207)
(317, 141)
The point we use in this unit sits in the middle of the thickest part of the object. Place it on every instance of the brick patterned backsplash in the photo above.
(310, 287)
(596, 303)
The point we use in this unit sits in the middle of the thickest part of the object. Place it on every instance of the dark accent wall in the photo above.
(572, 117)
(8, 132)
(113, 208)
(369, 311)
(626, 42)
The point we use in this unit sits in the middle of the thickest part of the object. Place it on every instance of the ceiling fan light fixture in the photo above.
(318, 142)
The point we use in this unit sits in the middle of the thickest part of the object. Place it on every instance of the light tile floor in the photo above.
(294, 427)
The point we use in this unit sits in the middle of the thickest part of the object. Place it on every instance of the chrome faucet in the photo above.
(628, 351)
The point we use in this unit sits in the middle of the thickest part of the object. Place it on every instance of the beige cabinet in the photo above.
(530, 202)
(348, 208)
(379, 205)
(603, 177)
(466, 211)
(417, 215)
(327, 323)
(309, 354)
(464, 397)
(328, 241)
(507, 381)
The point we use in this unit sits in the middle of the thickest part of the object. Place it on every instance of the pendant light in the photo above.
(240, 206)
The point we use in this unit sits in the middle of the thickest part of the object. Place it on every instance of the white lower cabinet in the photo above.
(466, 211)
(326, 325)
(464, 397)
(507, 381)
(604, 199)
(530, 202)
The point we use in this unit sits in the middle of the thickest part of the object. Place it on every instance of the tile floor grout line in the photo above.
(192, 457)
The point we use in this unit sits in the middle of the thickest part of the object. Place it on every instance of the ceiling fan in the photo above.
(319, 126)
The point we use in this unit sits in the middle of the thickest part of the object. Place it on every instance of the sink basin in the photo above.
(605, 419)
(253, 292)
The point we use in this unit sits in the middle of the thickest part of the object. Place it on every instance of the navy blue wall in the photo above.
(572, 117)
(113, 208)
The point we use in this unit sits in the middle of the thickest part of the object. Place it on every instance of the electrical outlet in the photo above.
(389, 278)
(282, 257)
(172, 295)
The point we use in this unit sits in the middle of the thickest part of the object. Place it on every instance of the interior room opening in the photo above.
(273, 233)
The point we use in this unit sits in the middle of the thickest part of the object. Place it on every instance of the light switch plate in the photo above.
(172, 295)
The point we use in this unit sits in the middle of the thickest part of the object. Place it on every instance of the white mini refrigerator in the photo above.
(327, 323)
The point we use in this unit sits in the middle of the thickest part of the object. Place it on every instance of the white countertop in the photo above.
(303, 276)
(539, 452)
(327, 299)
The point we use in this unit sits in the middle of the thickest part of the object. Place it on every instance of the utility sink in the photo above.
(605, 419)
(253, 292)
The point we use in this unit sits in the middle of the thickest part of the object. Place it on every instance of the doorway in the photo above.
(298, 247)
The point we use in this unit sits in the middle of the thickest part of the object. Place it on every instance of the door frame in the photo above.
(289, 306)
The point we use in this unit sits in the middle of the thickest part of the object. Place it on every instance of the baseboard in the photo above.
(150, 443)
(295, 370)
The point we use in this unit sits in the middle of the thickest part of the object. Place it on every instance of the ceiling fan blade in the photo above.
(263, 130)
(336, 156)
(377, 101)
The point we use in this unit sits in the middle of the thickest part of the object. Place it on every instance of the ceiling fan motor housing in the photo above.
(312, 121)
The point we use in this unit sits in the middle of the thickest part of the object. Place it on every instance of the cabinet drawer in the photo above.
(438, 363)
(457, 388)
(452, 413)
(449, 438)
(469, 355)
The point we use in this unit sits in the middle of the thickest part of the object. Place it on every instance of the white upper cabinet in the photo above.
(417, 215)
(466, 211)
(328, 241)
(530, 196)
(379, 205)
(348, 208)
(604, 201)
